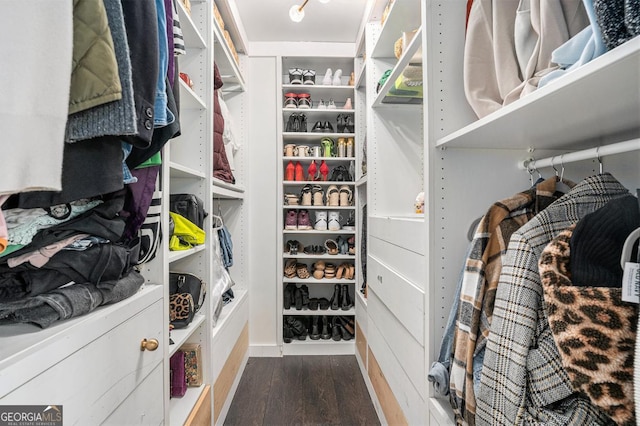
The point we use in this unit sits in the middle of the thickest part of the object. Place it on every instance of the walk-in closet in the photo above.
(402, 212)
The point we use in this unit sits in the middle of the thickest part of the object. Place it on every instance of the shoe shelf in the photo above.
(319, 110)
(329, 159)
(182, 407)
(320, 312)
(362, 181)
(314, 232)
(318, 182)
(299, 207)
(341, 95)
(315, 135)
(320, 90)
(317, 281)
(320, 256)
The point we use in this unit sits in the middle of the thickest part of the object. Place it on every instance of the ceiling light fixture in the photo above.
(297, 14)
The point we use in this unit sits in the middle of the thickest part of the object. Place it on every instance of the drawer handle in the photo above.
(149, 345)
(380, 279)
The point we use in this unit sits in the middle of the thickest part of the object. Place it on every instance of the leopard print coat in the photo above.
(595, 332)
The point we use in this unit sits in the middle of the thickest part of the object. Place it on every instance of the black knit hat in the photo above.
(596, 244)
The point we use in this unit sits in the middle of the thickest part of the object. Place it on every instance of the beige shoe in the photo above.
(333, 196)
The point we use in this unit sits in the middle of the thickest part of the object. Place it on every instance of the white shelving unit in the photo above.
(317, 287)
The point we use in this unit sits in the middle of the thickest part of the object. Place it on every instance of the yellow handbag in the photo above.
(185, 233)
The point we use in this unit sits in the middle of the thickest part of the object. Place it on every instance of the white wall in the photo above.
(262, 183)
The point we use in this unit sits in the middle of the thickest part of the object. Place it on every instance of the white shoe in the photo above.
(327, 78)
(322, 105)
(321, 221)
(331, 104)
(337, 78)
(348, 104)
(334, 221)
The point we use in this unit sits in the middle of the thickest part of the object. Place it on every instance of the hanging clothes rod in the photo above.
(587, 154)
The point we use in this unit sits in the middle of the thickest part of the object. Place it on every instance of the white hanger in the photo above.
(627, 248)
(217, 222)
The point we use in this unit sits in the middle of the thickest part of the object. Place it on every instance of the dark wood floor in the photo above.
(302, 390)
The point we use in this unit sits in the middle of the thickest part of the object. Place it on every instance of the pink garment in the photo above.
(4, 233)
(509, 44)
(40, 257)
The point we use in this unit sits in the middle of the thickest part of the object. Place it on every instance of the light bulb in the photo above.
(296, 14)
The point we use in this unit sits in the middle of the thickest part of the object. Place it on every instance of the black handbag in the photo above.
(186, 296)
(188, 206)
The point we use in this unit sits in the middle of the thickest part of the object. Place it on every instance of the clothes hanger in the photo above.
(217, 222)
(627, 248)
(561, 184)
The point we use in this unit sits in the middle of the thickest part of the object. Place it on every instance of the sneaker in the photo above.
(304, 223)
(304, 101)
(291, 221)
(328, 78)
(337, 78)
(291, 100)
(321, 221)
(334, 221)
(322, 105)
(331, 104)
(309, 77)
(295, 76)
(348, 104)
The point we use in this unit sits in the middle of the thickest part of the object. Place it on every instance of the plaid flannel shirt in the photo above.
(479, 283)
(523, 380)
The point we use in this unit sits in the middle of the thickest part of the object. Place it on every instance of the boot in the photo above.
(344, 333)
(315, 332)
(298, 328)
(335, 329)
(305, 295)
(297, 296)
(345, 300)
(325, 328)
(287, 334)
(288, 296)
(335, 299)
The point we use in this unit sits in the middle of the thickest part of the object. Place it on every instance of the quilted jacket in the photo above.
(94, 77)
(221, 168)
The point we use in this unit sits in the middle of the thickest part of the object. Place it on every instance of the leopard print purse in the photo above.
(181, 309)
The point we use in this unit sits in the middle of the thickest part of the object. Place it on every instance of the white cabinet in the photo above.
(50, 366)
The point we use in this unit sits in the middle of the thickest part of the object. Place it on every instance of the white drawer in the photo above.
(408, 233)
(407, 263)
(409, 398)
(406, 349)
(94, 380)
(145, 404)
(402, 298)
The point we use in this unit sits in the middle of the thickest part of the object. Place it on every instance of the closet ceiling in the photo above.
(337, 21)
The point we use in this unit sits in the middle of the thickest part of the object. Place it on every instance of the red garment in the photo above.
(221, 168)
